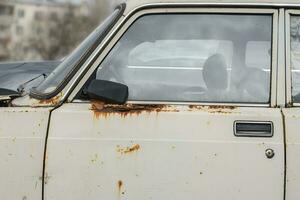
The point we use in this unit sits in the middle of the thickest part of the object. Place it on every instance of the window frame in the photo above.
(132, 17)
(289, 81)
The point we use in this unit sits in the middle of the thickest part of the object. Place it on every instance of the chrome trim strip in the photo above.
(274, 60)
(225, 4)
(288, 74)
(185, 103)
(281, 67)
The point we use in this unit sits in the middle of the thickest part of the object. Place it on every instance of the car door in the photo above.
(201, 120)
(22, 144)
(292, 112)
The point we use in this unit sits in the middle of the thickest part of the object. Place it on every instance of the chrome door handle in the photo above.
(253, 129)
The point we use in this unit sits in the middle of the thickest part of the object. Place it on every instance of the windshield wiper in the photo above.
(6, 95)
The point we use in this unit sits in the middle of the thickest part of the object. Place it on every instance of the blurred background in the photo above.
(33, 30)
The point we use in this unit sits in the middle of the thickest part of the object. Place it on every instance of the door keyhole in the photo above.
(270, 153)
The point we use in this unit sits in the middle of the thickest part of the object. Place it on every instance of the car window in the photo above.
(295, 57)
(258, 55)
(194, 58)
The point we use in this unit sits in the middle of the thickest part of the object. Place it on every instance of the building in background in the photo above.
(42, 29)
(6, 21)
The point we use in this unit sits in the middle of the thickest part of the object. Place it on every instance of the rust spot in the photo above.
(128, 150)
(195, 107)
(213, 109)
(119, 185)
(101, 109)
(53, 101)
(222, 107)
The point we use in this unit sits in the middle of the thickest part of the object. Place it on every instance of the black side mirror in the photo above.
(107, 91)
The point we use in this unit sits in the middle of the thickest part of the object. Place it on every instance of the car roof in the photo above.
(133, 4)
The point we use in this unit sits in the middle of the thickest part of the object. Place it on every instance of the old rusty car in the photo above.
(165, 100)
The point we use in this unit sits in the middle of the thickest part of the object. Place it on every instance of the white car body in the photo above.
(64, 148)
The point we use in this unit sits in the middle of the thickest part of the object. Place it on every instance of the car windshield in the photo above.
(57, 77)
